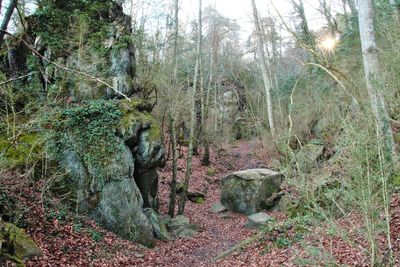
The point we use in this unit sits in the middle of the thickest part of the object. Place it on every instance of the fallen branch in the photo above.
(34, 51)
(17, 78)
(239, 246)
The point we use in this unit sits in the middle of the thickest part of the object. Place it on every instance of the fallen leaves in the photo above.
(70, 241)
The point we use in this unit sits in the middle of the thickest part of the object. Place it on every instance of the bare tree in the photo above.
(192, 99)
(326, 12)
(7, 17)
(372, 73)
(264, 68)
(172, 114)
(306, 36)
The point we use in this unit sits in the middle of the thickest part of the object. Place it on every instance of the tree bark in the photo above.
(192, 94)
(264, 69)
(172, 113)
(372, 74)
(7, 18)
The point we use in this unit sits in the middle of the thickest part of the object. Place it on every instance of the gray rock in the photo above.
(114, 192)
(217, 208)
(308, 156)
(249, 191)
(286, 204)
(149, 153)
(159, 227)
(178, 221)
(180, 226)
(122, 69)
(115, 201)
(17, 243)
(185, 233)
(120, 210)
(258, 220)
(130, 133)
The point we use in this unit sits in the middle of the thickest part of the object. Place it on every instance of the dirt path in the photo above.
(67, 241)
(218, 232)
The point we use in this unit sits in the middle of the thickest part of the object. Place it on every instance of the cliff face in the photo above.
(108, 145)
(93, 37)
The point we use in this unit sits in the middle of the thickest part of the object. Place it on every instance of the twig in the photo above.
(17, 78)
(66, 68)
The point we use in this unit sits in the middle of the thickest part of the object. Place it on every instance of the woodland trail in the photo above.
(83, 243)
(218, 232)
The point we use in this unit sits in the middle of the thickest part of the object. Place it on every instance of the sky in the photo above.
(241, 11)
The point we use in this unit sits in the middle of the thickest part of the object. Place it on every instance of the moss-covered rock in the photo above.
(91, 37)
(249, 191)
(16, 245)
(109, 147)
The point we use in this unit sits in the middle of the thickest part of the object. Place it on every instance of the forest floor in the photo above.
(70, 241)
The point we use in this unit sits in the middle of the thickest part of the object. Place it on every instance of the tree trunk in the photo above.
(7, 18)
(372, 75)
(307, 38)
(206, 155)
(192, 94)
(326, 11)
(264, 69)
(352, 6)
(172, 198)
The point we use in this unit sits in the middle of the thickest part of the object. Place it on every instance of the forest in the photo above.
(199, 133)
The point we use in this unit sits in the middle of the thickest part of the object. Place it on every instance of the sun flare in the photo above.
(328, 43)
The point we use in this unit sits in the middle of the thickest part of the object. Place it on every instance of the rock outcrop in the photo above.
(249, 191)
(109, 146)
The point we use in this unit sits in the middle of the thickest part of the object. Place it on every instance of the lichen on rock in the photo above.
(108, 145)
(16, 245)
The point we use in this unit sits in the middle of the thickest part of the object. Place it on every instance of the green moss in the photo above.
(25, 149)
(16, 244)
(199, 200)
(396, 180)
(132, 116)
(52, 21)
(154, 132)
(126, 106)
(89, 131)
(211, 171)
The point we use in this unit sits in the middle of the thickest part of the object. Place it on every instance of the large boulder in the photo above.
(116, 201)
(16, 244)
(249, 191)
